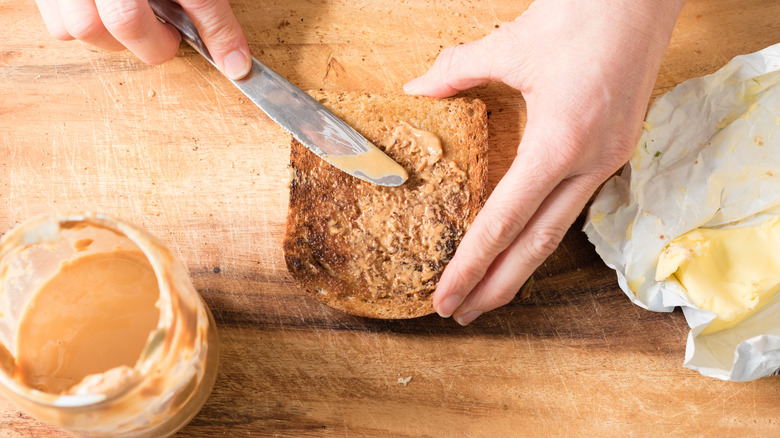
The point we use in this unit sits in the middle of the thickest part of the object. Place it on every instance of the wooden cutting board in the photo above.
(176, 149)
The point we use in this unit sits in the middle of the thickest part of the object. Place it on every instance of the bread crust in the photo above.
(335, 247)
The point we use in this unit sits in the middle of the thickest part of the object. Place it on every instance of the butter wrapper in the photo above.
(708, 157)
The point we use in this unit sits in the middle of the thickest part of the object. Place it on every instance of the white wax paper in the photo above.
(709, 156)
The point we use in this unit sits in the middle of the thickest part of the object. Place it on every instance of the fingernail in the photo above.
(467, 317)
(413, 86)
(236, 65)
(448, 305)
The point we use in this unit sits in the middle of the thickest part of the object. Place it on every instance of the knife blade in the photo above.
(304, 117)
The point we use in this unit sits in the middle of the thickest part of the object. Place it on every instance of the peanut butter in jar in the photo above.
(101, 331)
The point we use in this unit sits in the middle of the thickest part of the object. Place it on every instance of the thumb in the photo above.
(222, 35)
(461, 67)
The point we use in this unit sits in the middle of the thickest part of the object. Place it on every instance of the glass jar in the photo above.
(46, 328)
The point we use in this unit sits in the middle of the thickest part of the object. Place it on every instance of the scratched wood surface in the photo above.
(177, 150)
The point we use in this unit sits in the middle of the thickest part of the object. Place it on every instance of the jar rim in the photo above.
(153, 250)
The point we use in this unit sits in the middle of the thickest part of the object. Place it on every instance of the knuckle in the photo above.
(197, 7)
(467, 273)
(501, 228)
(84, 27)
(553, 157)
(447, 61)
(543, 242)
(452, 66)
(571, 150)
(501, 297)
(447, 56)
(614, 155)
(621, 149)
(505, 40)
(124, 19)
(222, 34)
(218, 27)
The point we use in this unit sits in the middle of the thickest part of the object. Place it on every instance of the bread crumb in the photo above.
(404, 381)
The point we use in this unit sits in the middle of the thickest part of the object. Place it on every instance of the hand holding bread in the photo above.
(586, 71)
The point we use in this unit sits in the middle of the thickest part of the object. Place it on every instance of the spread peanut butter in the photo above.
(88, 323)
(425, 146)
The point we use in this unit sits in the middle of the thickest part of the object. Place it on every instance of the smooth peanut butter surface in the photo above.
(94, 315)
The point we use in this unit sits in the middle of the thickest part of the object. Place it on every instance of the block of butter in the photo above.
(732, 272)
(694, 218)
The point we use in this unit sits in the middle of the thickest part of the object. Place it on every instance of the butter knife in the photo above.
(303, 116)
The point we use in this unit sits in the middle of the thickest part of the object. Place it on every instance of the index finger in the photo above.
(222, 35)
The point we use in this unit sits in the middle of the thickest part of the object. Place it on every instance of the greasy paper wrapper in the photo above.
(709, 156)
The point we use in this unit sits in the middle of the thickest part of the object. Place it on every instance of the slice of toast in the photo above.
(379, 251)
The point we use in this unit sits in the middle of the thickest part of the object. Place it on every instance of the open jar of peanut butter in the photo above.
(101, 330)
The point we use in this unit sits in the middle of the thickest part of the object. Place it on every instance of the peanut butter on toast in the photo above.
(379, 251)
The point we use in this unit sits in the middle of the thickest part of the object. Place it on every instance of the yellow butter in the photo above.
(731, 272)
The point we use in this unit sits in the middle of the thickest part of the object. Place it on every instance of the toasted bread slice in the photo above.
(379, 251)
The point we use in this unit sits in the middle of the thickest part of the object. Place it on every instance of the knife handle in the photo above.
(173, 14)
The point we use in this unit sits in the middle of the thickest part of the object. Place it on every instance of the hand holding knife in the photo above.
(306, 119)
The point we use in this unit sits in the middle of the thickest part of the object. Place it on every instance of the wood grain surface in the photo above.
(176, 149)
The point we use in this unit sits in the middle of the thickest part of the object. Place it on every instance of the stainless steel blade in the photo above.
(304, 117)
